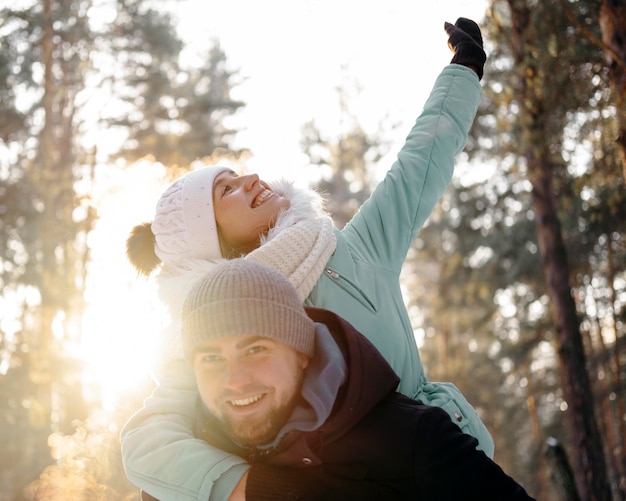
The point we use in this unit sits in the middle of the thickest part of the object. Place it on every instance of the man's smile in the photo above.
(242, 402)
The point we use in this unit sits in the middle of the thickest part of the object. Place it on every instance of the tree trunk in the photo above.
(613, 27)
(586, 443)
(609, 413)
(560, 471)
(41, 371)
(54, 252)
(618, 412)
(589, 462)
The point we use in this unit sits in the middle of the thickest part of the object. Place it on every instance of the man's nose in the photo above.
(237, 374)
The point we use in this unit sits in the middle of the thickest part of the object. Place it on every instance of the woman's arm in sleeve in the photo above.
(160, 454)
(386, 225)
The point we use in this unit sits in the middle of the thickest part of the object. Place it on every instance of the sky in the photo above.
(291, 53)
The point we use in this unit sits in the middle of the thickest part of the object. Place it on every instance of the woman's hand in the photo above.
(466, 41)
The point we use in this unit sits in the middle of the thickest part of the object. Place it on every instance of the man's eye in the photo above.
(256, 349)
(210, 359)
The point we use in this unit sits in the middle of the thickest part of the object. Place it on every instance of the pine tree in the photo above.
(344, 162)
(169, 113)
(57, 62)
(549, 78)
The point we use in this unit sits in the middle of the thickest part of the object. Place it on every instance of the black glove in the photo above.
(314, 483)
(467, 44)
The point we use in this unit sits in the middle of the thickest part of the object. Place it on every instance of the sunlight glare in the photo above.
(123, 315)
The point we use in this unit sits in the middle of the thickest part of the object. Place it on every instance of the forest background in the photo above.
(516, 286)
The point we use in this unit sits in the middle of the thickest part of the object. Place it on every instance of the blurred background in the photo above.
(516, 286)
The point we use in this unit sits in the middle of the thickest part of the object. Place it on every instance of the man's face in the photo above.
(251, 384)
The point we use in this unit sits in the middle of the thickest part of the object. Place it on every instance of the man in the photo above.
(289, 387)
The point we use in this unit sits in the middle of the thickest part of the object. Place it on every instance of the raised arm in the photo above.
(387, 224)
(382, 232)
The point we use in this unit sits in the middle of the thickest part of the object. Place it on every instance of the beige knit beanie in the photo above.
(184, 224)
(242, 297)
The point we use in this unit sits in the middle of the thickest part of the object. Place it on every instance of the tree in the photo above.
(612, 22)
(471, 282)
(170, 113)
(344, 162)
(613, 27)
(544, 63)
(48, 44)
(56, 66)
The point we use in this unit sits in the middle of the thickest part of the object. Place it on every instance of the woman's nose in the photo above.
(249, 180)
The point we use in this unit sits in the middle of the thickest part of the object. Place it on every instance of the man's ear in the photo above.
(304, 360)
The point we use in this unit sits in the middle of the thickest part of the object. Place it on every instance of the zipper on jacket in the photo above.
(351, 289)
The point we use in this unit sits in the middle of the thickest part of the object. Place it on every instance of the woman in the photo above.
(213, 214)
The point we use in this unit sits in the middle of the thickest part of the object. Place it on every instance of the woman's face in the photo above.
(245, 209)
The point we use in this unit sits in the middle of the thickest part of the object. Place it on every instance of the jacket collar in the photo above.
(370, 377)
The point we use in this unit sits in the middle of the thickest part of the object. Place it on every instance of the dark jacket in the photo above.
(414, 449)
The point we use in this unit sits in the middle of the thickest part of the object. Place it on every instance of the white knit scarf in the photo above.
(299, 245)
(301, 242)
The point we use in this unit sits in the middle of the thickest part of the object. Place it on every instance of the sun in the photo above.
(123, 315)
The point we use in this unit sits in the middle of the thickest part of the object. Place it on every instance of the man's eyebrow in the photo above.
(209, 348)
(249, 340)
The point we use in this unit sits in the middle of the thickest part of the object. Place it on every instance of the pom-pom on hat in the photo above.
(184, 225)
(242, 297)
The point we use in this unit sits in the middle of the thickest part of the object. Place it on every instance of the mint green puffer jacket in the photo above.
(159, 452)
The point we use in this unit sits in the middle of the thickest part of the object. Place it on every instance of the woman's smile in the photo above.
(261, 197)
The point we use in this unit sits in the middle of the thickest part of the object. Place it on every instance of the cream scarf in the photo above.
(300, 243)
(300, 253)
(298, 246)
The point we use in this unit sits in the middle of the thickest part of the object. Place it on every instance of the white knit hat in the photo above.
(184, 224)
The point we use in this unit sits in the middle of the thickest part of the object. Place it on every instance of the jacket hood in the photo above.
(370, 378)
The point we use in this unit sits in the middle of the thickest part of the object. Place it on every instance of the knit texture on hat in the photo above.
(184, 224)
(241, 297)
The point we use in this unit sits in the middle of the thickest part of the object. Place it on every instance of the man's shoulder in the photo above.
(401, 409)
(398, 403)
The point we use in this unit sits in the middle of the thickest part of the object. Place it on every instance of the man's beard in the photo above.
(254, 431)
(259, 430)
